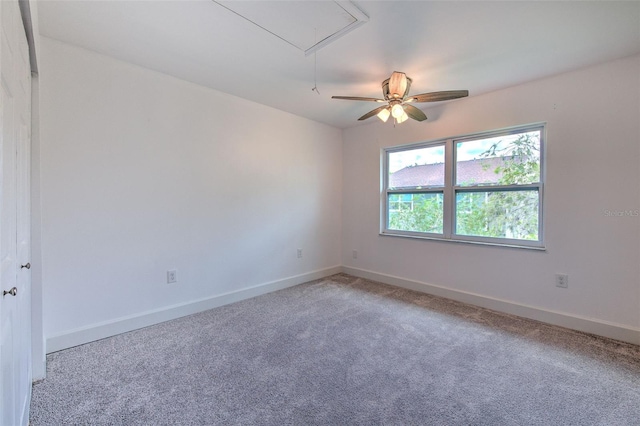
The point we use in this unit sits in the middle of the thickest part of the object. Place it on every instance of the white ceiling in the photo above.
(480, 46)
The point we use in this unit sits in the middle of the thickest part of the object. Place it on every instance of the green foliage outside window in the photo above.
(425, 215)
(505, 214)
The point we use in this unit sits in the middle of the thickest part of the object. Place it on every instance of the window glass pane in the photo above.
(417, 213)
(500, 160)
(498, 214)
(417, 168)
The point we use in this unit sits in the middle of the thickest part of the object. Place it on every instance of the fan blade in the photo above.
(414, 112)
(356, 98)
(438, 96)
(373, 112)
(398, 84)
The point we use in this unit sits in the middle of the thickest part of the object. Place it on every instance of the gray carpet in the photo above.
(344, 351)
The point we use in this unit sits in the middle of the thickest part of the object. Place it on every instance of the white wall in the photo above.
(142, 173)
(593, 165)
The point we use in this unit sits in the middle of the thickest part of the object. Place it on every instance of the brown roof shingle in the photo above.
(468, 172)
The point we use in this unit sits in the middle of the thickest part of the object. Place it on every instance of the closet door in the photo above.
(15, 278)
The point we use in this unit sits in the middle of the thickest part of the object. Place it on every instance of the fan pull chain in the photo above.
(315, 75)
(315, 65)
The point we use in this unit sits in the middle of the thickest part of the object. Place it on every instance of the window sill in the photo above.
(451, 240)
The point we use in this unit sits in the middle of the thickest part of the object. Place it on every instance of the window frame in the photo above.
(450, 189)
(422, 190)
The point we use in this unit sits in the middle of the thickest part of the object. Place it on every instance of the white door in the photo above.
(23, 229)
(15, 299)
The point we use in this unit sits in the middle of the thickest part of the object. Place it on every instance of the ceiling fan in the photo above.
(395, 90)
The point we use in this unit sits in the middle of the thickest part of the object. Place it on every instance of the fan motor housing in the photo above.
(385, 89)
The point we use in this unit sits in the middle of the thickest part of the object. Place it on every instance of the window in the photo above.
(484, 188)
(415, 193)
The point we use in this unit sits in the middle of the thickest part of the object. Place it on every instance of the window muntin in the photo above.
(481, 188)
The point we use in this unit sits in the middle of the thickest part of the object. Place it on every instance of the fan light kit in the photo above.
(395, 90)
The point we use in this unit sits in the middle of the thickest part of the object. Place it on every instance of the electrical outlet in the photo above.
(299, 253)
(562, 280)
(172, 276)
(354, 254)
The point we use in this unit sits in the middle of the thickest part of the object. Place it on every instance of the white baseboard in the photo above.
(41, 372)
(587, 325)
(102, 330)
(122, 325)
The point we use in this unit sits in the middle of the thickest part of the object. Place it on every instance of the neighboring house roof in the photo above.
(468, 172)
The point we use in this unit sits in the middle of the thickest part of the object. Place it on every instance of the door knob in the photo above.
(12, 292)
(28, 266)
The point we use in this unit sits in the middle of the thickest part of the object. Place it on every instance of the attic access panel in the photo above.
(306, 25)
